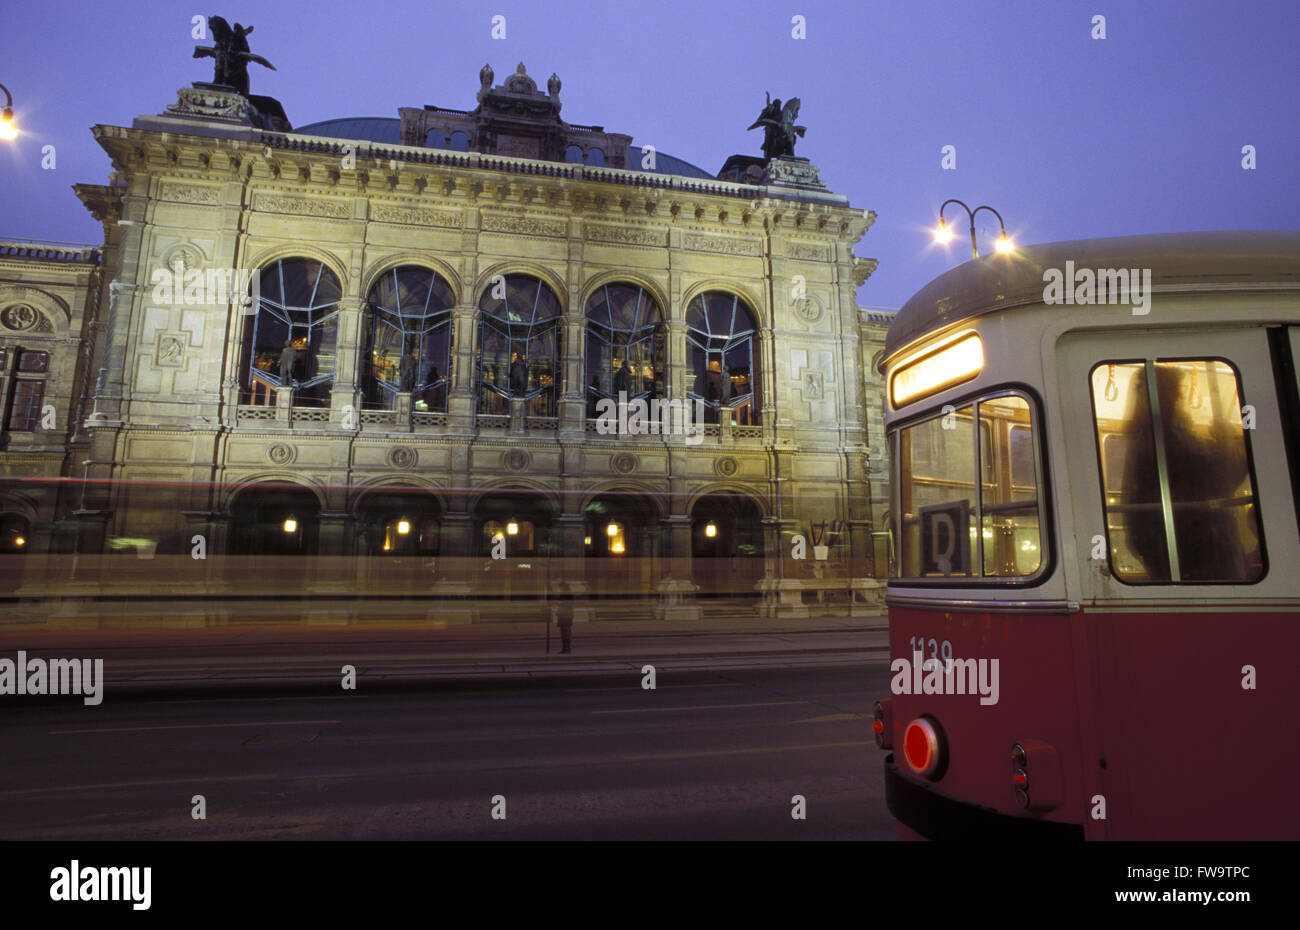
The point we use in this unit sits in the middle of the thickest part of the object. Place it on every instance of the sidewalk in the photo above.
(288, 654)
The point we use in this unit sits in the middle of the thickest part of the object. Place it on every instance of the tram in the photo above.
(1094, 610)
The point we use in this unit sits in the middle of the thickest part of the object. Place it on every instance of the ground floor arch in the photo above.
(274, 519)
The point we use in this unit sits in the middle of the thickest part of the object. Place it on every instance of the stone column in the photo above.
(346, 392)
(453, 585)
(573, 400)
(461, 394)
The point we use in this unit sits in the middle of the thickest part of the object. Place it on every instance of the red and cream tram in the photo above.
(1095, 608)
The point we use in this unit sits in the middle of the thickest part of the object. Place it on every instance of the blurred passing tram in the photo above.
(1095, 607)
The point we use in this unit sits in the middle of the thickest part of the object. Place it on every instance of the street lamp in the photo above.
(944, 235)
(7, 128)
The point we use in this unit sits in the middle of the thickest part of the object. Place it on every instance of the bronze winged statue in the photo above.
(779, 130)
(230, 49)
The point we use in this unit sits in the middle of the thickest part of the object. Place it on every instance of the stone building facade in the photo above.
(329, 345)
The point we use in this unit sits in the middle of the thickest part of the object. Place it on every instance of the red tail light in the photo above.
(882, 724)
(925, 748)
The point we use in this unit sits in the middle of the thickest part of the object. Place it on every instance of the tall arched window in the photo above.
(407, 339)
(625, 345)
(723, 356)
(299, 306)
(518, 345)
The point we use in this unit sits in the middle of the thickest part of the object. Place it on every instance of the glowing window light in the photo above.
(403, 527)
(613, 529)
(956, 361)
(512, 529)
(291, 525)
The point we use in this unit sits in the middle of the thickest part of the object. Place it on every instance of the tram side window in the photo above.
(1009, 501)
(1174, 460)
(938, 507)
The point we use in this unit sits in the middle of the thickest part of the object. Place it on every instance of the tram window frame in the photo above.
(978, 559)
(1166, 506)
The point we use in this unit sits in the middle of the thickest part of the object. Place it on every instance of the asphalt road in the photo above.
(706, 755)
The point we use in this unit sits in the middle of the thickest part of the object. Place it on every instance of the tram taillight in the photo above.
(925, 748)
(882, 724)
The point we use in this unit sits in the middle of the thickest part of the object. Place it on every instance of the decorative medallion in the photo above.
(807, 309)
(726, 466)
(402, 457)
(624, 463)
(281, 453)
(20, 317)
(516, 460)
(182, 258)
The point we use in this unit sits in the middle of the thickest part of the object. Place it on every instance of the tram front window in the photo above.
(946, 529)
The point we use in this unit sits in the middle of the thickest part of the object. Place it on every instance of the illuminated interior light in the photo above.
(403, 527)
(958, 360)
(612, 530)
(291, 525)
(20, 541)
(710, 530)
(512, 529)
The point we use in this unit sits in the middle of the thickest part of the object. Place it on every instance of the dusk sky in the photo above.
(1066, 135)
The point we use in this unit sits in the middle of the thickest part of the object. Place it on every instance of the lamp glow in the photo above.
(7, 128)
(954, 362)
(943, 235)
(1004, 244)
(19, 541)
(512, 529)
(291, 525)
(611, 530)
(403, 527)
(711, 530)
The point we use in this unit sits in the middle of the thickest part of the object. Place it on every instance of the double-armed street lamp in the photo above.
(944, 235)
(7, 128)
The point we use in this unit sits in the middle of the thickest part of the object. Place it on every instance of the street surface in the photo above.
(706, 755)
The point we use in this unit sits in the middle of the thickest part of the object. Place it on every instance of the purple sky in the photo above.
(1067, 136)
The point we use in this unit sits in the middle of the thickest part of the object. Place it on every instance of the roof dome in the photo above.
(387, 130)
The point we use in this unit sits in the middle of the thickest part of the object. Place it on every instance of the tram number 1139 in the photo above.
(941, 651)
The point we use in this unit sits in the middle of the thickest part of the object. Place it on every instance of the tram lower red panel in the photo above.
(1145, 714)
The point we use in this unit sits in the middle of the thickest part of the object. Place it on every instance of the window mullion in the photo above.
(1162, 469)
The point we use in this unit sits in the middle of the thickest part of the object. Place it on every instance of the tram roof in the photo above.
(999, 282)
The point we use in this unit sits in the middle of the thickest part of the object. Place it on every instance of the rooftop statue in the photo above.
(779, 130)
(230, 49)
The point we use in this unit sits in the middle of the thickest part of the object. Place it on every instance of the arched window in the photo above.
(596, 157)
(299, 306)
(573, 155)
(459, 141)
(435, 139)
(518, 345)
(723, 356)
(408, 318)
(625, 345)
